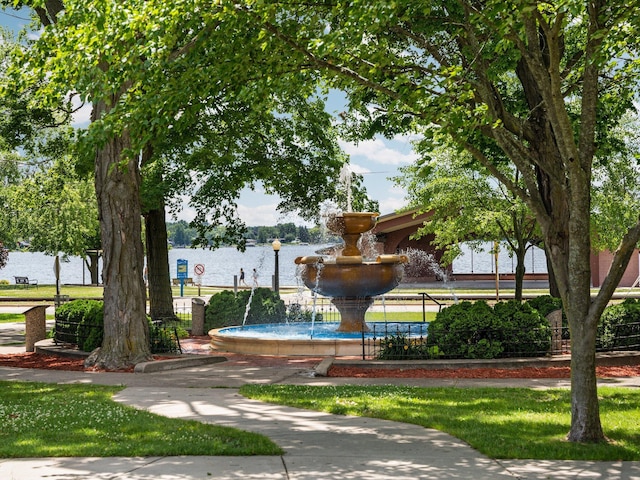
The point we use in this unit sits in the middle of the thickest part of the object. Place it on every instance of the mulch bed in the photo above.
(42, 361)
(524, 372)
(200, 345)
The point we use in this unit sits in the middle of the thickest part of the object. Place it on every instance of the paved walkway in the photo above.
(317, 445)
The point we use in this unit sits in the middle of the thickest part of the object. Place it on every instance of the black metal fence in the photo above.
(413, 344)
(387, 341)
(163, 338)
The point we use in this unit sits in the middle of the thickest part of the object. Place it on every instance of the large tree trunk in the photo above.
(160, 294)
(585, 410)
(564, 219)
(126, 330)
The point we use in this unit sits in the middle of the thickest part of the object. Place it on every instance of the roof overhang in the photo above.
(400, 220)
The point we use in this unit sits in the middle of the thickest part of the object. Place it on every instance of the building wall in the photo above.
(601, 263)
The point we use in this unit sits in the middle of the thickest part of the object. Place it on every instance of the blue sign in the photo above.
(183, 268)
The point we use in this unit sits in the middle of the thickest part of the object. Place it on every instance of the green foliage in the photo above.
(80, 322)
(403, 347)
(525, 332)
(226, 309)
(465, 201)
(223, 310)
(619, 326)
(616, 189)
(466, 330)
(545, 304)
(475, 330)
(295, 313)
(4, 258)
(56, 209)
(91, 328)
(163, 338)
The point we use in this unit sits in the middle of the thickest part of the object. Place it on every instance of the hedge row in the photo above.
(81, 323)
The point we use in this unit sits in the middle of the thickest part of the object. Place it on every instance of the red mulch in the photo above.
(200, 345)
(524, 372)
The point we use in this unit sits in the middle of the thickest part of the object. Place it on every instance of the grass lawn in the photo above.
(414, 316)
(499, 422)
(48, 291)
(90, 291)
(47, 420)
(11, 317)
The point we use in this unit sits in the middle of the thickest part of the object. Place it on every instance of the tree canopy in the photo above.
(542, 82)
(468, 205)
(155, 71)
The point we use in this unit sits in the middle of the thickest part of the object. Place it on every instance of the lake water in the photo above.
(222, 264)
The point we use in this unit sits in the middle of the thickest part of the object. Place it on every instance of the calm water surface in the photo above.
(222, 264)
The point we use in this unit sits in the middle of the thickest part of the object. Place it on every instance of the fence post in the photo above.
(555, 322)
(197, 316)
(35, 326)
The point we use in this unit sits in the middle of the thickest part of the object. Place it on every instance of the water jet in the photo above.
(351, 282)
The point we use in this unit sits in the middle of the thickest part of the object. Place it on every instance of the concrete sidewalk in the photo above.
(317, 445)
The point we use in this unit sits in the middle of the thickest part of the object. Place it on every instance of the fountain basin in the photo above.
(352, 222)
(343, 279)
(351, 284)
(296, 339)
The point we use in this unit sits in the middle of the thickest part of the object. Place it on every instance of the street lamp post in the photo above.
(276, 279)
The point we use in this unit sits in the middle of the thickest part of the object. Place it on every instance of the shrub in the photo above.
(163, 338)
(80, 322)
(466, 330)
(545, 304)
(525, 331)
(227, 309)
(91, 327)
(618, 328)
(475, 330)
(403, 347)
(295, 313)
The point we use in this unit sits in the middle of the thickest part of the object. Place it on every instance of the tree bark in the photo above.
(91, 261)
(520, 271)
(585, 410)
(160, 294)
(126, 330)
(563, 210)
(554, 289)
(117, 180)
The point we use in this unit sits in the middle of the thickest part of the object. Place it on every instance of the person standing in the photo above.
(242, 282)
(255, 277)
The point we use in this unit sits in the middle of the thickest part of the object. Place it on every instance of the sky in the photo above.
(376, 160)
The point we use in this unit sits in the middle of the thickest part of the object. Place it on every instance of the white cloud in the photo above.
(255, 215)
(358, 169)
(82, 116)
(379, 152)
(391, 204)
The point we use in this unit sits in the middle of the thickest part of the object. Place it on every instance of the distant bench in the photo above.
(187, 281)
(25, 281)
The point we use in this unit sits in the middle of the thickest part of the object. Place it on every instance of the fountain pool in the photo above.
(305, 339)
(350, 280)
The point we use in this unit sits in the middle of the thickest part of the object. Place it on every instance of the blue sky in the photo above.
(377, 160)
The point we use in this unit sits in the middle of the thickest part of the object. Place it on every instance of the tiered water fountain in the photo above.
(350, 280)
